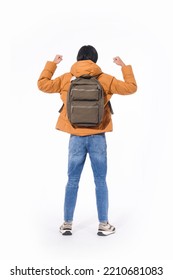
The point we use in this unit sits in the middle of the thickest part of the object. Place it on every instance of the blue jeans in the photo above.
(79, 147)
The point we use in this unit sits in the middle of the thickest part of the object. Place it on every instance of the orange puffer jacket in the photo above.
(110, 85)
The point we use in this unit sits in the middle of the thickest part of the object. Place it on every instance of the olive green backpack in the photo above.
(85, 102)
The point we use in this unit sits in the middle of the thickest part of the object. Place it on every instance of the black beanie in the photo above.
(87, 53)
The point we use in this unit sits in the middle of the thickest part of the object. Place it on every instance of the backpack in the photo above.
(85, 102)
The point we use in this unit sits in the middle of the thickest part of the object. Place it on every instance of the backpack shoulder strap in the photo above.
(110, 107)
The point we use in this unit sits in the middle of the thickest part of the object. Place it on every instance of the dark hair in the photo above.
(87, 52)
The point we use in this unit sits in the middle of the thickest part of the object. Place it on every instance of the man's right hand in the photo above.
(57, 59)
(118, 61)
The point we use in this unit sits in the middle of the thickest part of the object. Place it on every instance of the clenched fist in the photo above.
(118, 61)
(57, 59)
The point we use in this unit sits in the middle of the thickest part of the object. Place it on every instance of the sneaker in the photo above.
(105, 229)
(66, 228)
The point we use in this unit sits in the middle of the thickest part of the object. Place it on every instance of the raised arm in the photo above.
(45, 82)
(128, 86)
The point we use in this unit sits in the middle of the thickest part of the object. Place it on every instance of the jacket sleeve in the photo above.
(45, 83)
(128, 86)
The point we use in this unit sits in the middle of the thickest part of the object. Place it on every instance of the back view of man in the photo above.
(87, 140)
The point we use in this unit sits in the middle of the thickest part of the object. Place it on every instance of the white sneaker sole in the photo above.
(66, 231)
(105, 233)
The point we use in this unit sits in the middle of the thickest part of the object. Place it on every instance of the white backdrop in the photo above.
(34, 154)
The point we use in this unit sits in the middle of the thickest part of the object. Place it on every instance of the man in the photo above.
(87, 140)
